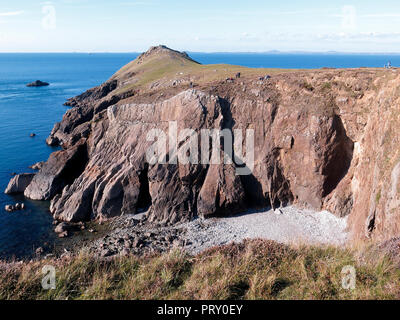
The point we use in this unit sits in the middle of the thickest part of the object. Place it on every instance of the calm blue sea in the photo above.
(35, 110)
(298, 60)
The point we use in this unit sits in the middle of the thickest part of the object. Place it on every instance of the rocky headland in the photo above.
(323, 140)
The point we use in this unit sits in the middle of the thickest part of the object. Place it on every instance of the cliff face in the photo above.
(322, 139)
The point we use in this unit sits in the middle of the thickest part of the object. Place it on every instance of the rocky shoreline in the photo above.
(133, 234)
(136, 235)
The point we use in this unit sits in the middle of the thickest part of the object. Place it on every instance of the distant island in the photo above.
(38, 83)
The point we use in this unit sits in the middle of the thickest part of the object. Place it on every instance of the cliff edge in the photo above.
(324, 139)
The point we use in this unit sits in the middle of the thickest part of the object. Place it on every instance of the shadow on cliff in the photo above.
(338, 161)
(255, 197)
(144, 198)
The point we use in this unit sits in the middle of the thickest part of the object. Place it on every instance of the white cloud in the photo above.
(11, 14)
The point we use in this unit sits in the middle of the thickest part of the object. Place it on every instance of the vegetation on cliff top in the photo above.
(161, 65)
(256, 269)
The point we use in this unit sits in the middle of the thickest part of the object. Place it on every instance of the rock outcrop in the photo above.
(38, 83)
(62, 168)
(76, 121)
(19, 183)
(325, 139)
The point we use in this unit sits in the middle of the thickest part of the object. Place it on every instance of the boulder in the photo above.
(52, 141)
(67, 227)
(62, 227)
(19, 183)
(37, 166)
(9, 208)
(16, 207)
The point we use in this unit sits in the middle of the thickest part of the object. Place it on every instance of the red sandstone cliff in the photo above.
(323, 139)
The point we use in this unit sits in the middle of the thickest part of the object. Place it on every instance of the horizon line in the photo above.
(209, 52)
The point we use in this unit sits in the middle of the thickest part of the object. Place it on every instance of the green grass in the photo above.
(326, 86)
(378, 197)
(169, 67)
(255, 269)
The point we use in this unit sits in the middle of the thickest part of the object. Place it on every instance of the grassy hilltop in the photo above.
(161, 66)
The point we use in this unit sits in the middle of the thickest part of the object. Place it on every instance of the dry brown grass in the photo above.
(256, 269)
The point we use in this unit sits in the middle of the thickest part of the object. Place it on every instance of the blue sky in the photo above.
(208, 26)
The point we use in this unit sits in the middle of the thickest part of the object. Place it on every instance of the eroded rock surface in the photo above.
(117, 176)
